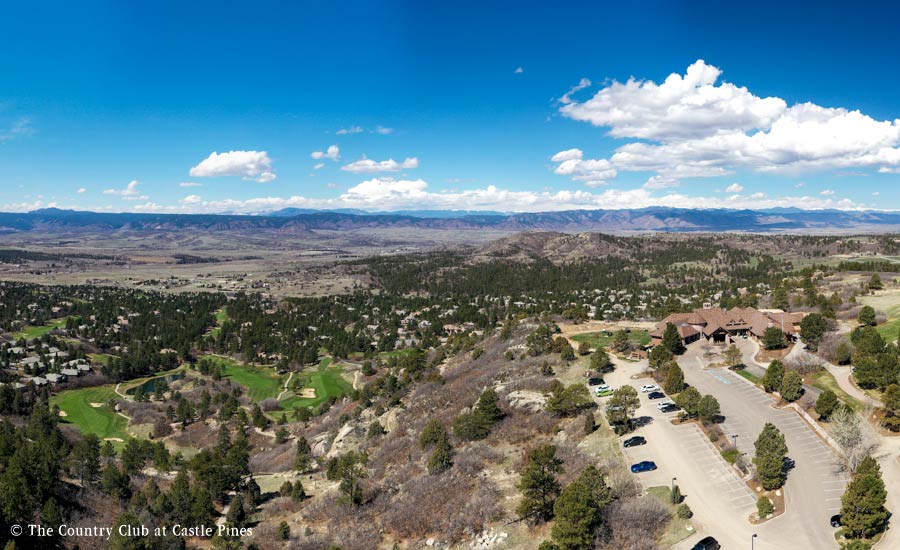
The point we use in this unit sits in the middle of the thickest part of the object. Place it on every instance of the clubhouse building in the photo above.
(717, 325)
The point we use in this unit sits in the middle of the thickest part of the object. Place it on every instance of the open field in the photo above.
(31, 333)
(100, 420)
(326, 380)
(598, 339)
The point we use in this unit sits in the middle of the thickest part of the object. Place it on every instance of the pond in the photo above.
(150, 385)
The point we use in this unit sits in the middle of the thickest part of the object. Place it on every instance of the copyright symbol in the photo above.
(16, 530)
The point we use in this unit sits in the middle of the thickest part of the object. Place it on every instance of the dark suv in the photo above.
(707, 543)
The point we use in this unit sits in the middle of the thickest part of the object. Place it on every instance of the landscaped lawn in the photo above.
(748, 375)
(30, 333)
(325, 379)
(598, 339)
(825, 381)
(260, 382)
(101, 421)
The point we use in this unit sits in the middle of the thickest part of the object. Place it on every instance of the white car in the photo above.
(647, 388)
(664, 404)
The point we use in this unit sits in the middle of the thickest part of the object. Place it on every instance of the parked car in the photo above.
(836, 521)
(655, 395)
(647, 388)
(664, 404)
(604, 390)
(707, 543)
(645, 466)
(634, 441)
(595, 381)
(670, 408)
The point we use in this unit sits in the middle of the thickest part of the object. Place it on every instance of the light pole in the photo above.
(752, 539)
(734, 441)
(673, 483)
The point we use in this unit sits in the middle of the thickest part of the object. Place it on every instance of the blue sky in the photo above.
(247, 107)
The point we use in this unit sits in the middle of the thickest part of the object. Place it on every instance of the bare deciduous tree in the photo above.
(854, 436)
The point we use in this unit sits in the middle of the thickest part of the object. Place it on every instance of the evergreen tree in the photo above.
(579, 511)
(674, 380)
(236, 516)
(812, 329)
(539, 485)
(791, 385)
(709, 409)
(303, 461)
(826, 403)
(774, 376)
(441, 457)
(862, 506)
(867, 316)
(433, 432)
(671, 340)
(769, 459)
(689, 400)
(891, 400)
(773, 338)
(600, 360)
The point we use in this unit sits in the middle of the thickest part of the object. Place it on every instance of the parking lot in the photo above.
(817, 480)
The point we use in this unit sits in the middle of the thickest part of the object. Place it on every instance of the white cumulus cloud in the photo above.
(369, 166)
(734, 188)
(333, 152)
(249, 165)
(696, 125)
(131, 192)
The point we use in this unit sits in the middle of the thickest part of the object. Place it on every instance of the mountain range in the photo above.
(643, 219)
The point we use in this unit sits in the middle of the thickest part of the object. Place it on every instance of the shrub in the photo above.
(731, 455)
(764, 506)
(684, 511)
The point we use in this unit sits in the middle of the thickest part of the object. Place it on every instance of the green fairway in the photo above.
(221, 317)
(260, 382)
(890, 329)
(101, 421)
(598, 339)
(825, 381)
(31, 333)
(325, 380)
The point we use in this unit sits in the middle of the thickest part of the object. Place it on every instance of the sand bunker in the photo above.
(308, 393)
(95, 405)
(116, 439)
(63, 413)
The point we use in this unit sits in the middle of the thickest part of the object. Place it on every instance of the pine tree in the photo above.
(826, 404)
(441, 458)
(579, 511)
(674, 380)
(862, 506)
(791, 385)
(671, 340)
(770, 453)
(773, 377)
(539, 485)
(236, 515)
